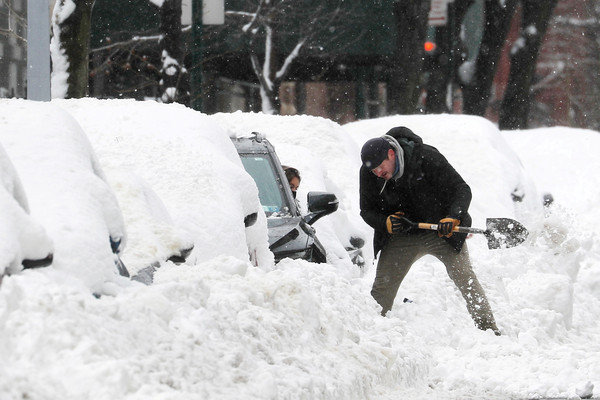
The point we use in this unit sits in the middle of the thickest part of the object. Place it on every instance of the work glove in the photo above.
(446, 225)
(397, 223)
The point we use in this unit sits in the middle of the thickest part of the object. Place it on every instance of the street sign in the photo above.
(438, 14)
(213, 12)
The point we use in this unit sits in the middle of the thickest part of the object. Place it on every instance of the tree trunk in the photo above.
(274, 97)
(73, 33)
(270, 103)
(517, 100)
(450, 55)
(174, 78)
(272, 70)
(477, 90)
(404, 86)
(269, 84)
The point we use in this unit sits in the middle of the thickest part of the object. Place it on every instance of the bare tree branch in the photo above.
(266, 27)
(127, 43)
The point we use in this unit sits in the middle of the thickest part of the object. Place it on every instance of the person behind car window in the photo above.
(293, 177)
(403, 181)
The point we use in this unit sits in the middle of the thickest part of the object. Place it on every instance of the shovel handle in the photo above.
(434, 227)
(460, 229)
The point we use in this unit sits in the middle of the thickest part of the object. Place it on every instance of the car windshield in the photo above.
(269, 191)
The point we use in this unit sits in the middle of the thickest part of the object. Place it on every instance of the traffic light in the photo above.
(430, 56)
(431, 50)
(429, 47)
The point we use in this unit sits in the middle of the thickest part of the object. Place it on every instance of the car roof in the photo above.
(254, 143)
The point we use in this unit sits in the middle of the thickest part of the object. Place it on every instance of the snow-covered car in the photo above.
(67, 191)
(291, 234)
(152, 236)
(318, 148)
(186, 166)
(23, 241)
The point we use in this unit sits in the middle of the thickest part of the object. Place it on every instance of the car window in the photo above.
(269, 192)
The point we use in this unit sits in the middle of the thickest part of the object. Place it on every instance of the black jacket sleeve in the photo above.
(453, 194)
(370, 207)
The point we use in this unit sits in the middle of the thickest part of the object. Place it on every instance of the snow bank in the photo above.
(66, 189)
(190, 163)
(220, 328)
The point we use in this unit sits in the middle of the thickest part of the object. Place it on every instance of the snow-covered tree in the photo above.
(174, 82)
(71, 28)
(269, 25)
(477, 76)
(517, 97)
(69, 47)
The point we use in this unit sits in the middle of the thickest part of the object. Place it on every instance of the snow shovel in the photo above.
(500, 232)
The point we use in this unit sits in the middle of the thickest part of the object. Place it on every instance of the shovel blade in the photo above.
(504, 233)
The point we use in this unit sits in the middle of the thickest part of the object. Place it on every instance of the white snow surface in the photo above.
(218, 327)
(22, 236)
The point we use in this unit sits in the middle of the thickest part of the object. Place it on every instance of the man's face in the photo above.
(386, 169)
(294, 183)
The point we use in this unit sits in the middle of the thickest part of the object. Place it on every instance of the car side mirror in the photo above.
(320, 204)
(250, 219)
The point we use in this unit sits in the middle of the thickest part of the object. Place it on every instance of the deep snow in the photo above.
(218, 327)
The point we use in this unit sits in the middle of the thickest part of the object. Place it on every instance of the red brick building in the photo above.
(566, 90)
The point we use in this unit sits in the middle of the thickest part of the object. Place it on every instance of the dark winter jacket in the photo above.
(429, 189)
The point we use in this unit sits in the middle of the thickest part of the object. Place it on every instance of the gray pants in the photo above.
(402, 251)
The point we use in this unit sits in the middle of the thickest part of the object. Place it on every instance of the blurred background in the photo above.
(519, 63)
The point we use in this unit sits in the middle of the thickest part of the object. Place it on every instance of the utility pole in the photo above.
(196, 70)
(38, 50)
(204, 12)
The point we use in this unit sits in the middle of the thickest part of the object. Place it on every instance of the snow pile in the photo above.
(191, 165)
(66, 189)
(22, 237)
(217, 327)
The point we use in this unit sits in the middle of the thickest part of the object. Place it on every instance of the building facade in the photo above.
(13, 48)
(566, 87)
(567, 90)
